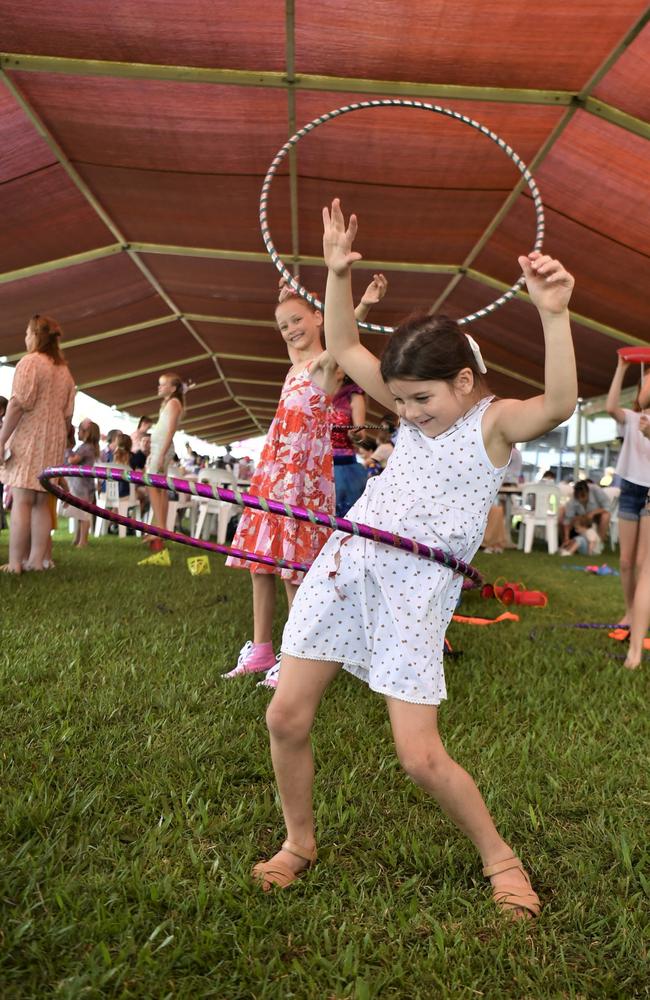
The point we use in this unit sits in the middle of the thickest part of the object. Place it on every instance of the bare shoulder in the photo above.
(496, 443)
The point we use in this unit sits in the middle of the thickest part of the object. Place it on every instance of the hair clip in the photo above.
(476, 351)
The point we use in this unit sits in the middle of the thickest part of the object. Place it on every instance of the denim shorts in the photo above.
(632, 503)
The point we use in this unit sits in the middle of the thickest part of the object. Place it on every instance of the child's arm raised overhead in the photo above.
(509, 420)
(613, 405)
(341, 331)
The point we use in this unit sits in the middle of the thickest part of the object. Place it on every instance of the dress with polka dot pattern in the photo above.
(383, 612)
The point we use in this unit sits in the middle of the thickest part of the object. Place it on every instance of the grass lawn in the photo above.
(137, 792)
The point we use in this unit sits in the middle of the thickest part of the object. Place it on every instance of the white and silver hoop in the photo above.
(393, 102)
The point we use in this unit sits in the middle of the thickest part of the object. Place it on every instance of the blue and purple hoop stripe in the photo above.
(393, 102)
(210, 492)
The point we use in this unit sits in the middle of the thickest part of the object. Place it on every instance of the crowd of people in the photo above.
(36, 431)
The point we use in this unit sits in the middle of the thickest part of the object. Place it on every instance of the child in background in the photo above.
(171, 390)
(382, 612)
(86, 454)
(633, 470)
(586, 541)
(366, 448)
(3, 410)
(641, 607)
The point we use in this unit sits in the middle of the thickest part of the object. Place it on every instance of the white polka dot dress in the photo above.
(383, 612)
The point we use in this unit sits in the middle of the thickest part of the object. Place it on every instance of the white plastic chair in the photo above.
(110, 499)
(219, 509)
(613, 493)
(540, 509)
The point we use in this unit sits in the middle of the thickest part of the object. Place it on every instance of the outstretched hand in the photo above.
(375, 291)
(337, 240)
(286, 291)
(548, 282)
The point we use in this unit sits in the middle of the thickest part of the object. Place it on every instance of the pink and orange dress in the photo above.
(295, 467)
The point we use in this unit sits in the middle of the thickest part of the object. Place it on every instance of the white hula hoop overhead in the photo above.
(396, 102)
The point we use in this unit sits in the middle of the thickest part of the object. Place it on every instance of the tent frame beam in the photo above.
(24, 63)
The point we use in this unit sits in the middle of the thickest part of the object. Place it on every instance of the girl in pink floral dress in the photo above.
(296, 467)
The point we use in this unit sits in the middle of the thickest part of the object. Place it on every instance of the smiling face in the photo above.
(433, 405)
(299, 325)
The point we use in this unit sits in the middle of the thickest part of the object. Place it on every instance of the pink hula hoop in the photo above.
(210, 492)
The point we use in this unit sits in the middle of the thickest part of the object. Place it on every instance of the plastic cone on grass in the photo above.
(198, 565)
(157, 559)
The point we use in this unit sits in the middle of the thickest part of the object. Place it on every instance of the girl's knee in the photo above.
(286, 721)
(425, 765)
(626, 563)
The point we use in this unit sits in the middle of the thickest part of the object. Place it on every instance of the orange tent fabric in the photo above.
(136, 136)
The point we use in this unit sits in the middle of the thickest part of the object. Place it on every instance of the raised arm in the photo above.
(549, 286)
(341, 331)
(373, 294)
(613, 405)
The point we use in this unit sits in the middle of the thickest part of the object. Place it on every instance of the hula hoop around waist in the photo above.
(207, 491)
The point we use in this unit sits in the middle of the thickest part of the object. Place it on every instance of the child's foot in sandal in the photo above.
(511, 889)
(285, 866)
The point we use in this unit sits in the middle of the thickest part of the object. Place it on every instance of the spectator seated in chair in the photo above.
(588, 499)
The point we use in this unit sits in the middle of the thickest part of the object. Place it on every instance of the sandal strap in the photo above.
(516, 899)
(503, 866)
(308, 854)
(275, 873)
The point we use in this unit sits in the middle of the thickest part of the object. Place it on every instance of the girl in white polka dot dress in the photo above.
(381, 613)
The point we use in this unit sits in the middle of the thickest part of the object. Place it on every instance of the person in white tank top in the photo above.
(633, 469)
(380, 612)
(171, 390)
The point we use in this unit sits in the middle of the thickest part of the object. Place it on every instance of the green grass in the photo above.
(137, 792)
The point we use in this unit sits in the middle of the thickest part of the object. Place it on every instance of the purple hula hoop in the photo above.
(209, 492)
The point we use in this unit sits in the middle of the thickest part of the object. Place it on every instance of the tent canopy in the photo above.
(136, 135)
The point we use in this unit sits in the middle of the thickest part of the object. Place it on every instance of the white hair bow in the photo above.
(476, 351)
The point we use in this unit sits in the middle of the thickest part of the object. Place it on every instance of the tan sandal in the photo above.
(270, 873)
(511, 897)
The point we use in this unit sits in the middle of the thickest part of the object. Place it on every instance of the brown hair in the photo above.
(179, 387)
(291, 296)
(122, 450)
(47, 333)
(426, 347)
(91, 435)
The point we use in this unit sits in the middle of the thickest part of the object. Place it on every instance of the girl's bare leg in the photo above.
(20, 527)
(425, 760)
(641, 606)
(41, 526)
(289, 718)
(159, 503)
(292, 590)
(83, 529)
(628, 536)
(263, 606)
